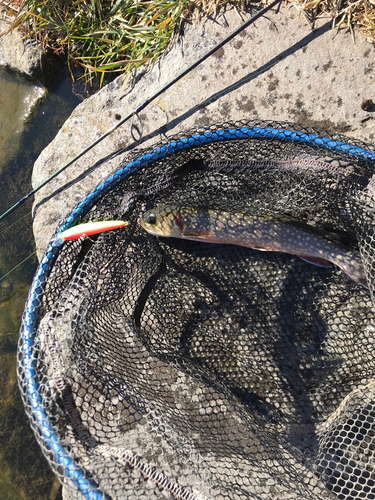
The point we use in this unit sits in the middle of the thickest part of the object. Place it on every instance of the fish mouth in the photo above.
(143, 225)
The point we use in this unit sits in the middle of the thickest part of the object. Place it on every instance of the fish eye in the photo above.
(151, 219)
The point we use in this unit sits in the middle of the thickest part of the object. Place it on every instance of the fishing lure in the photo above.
(87, 229)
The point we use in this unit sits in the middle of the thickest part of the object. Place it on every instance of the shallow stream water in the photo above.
(24, 473)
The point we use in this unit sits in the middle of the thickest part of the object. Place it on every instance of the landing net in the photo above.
(163, 368)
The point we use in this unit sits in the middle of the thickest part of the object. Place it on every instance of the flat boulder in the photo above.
(277, 69)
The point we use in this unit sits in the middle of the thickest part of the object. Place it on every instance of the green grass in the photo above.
(103, 36)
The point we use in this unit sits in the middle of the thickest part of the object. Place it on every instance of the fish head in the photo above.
(162, 221)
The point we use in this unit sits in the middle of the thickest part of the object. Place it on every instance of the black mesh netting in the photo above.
(178, 369)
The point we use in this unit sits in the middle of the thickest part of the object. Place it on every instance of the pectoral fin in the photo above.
(317, 261)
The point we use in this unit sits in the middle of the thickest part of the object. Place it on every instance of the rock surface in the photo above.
(15, 54)
(278, 69)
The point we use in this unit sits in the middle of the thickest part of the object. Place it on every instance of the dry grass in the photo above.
(353, 15)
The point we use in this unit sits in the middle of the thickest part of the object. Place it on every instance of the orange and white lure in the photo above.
(87, 229)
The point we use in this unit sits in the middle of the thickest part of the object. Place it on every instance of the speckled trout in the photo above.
(259, 232)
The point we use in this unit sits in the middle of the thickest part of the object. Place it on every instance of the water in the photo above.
(17, 98)
(24, 472)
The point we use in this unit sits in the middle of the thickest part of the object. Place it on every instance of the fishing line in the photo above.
(18, 265)
(28, 213)
(146, 102)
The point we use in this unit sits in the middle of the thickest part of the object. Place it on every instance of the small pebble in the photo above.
(367, 104)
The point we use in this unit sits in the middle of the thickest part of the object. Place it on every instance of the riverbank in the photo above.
(106, 38)
(278, 70)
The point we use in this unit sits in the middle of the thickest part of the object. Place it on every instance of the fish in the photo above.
(261, 232)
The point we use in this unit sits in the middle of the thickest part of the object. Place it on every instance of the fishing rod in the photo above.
(145, 103)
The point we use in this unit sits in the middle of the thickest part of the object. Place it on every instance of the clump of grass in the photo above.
(103, 36)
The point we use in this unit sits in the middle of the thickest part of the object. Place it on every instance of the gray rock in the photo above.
(277, 69)
(15, 54)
